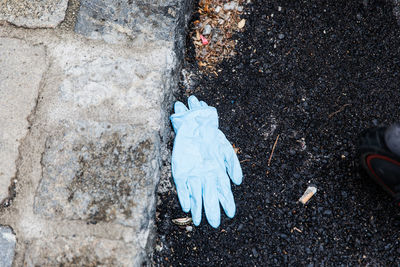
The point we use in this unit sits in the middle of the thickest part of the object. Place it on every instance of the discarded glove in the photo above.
(201, 159)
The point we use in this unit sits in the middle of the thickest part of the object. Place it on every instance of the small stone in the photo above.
(172, 12)
(189, 228)
(241, 23)
(207, 30)
(217, 9)
(255, 253)
(281, 36)
(240, 8)
(283, 236)
(230, 6)
(328, 212)
(279, 8)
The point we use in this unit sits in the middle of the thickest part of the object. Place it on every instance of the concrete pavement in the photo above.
(85, 89)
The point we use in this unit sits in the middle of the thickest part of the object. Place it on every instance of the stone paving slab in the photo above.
(22, 66)
(127, 20)
(70, 251)
(33, 13)
(98, 172)
(99, 120)
(89, 156)
(100, 83)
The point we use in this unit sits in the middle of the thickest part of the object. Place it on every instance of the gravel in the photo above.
(230, 6)
(346, 68)
(207, 30)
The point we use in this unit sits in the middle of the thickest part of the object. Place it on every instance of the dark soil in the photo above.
(334, 72)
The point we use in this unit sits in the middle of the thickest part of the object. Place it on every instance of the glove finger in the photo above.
(211, 203)
(193, 102)
(225, 196)
(183, 195)
(195, 199)
(232, 163)
(203, 104)
(179, 107)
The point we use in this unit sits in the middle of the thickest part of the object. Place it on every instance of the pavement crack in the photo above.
(12, 189)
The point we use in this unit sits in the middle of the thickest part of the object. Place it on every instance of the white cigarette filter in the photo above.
(311, 190)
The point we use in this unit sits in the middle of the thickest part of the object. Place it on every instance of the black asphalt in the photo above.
(334, 71)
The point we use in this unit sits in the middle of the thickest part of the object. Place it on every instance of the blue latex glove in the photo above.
(202, 158)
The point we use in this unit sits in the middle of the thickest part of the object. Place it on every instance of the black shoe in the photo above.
(381, 163)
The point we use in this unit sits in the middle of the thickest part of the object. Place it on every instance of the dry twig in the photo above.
(272, 151)
(338, 111)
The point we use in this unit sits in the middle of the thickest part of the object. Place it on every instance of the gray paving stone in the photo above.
(99, 172)
(7, 246)
(101, 84)
(90, 162)
(70, 251)
(103, 111)
(33, 13)
(22, 66)
(127, 20)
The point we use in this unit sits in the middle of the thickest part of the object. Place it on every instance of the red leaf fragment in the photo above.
(204, 40)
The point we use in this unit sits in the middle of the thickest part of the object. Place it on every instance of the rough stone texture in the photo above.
(101, 84)
(91, 251)
(7, 246)
(99, 172)
(68, 24)
(22, 66)
(100, 164)
(127, 20)
(89, 162)
(33, 13)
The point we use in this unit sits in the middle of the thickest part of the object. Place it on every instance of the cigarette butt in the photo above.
(182, 221)
(297, 229)
(311, 190)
